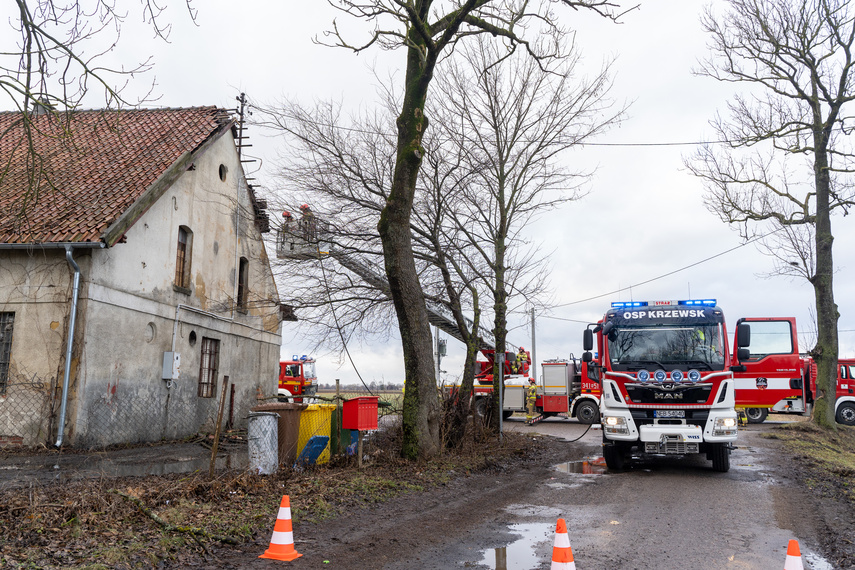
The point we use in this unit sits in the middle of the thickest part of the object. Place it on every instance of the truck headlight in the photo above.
(615, 424)
(724, 426)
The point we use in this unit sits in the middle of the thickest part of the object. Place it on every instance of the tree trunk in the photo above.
(825, 352)
(500, 323)
(421, 403)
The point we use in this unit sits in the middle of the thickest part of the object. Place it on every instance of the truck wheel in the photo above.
(720, 457)
(846, 414)
(587, 412)
(614, 456)
(481, 407)
(507, 414)
(756, 415)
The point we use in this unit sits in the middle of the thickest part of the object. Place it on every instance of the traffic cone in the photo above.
(562, 554)
(794, 556)
(282, 542)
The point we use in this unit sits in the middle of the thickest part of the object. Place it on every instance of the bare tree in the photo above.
(427, 29)
(788, 162)
(510, 118)
(53, 61)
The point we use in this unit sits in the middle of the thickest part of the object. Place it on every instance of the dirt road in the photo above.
(669, 513)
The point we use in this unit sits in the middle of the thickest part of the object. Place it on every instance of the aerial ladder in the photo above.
(300, 239)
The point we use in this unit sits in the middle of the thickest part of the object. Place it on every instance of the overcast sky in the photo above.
(642, 222)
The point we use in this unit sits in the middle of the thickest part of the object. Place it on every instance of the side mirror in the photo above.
(587, 342)
(743, 336)
(587, 356)
(743, 354)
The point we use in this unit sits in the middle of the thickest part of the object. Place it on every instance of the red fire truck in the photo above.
(844, 406)
(563, 389)
(776, 378)
(297, 378)
(771, 378)
(667, 387)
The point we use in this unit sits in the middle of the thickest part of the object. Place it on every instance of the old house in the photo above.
(134, 283)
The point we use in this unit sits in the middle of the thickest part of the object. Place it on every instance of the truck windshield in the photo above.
(308, 370)
(680, 346)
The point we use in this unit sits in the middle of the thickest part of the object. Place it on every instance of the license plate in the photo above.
(669, 413)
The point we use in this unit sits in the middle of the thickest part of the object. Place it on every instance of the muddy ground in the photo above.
(392, 513)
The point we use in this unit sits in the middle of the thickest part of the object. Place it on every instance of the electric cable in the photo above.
(337, 325)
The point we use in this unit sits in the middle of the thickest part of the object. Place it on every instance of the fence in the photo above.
(25, 412)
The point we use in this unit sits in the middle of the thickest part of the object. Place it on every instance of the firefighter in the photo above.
(530, 399)
(522, 358)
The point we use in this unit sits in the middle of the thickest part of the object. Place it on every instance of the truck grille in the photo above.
(671, 447)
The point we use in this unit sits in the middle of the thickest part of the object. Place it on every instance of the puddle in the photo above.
(587, 466)
(124, 463)
(522, 553)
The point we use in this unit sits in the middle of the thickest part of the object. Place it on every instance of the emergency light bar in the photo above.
(691, 302)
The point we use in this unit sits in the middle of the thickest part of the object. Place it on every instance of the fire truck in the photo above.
(844, 406)
(775, 377)
(771, 377)
(563, 389)
(297, 378)
(667, 387)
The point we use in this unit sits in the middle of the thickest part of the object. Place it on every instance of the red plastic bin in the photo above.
(359, 413)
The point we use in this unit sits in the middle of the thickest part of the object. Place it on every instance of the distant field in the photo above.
(393, 397)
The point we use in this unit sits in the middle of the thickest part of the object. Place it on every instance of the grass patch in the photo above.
(828, 455)
(95, 524)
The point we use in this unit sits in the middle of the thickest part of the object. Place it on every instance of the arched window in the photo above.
(183, 258)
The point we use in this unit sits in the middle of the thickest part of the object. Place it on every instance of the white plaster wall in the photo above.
(131, 314)
(128, 318)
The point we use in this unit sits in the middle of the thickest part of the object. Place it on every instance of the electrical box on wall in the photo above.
(171, 365)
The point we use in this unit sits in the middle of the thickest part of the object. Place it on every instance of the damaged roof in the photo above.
(88, 168)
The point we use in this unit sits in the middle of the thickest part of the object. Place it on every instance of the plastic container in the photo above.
(360, 413)
(315, 420)
(263, 442)
(288, 428)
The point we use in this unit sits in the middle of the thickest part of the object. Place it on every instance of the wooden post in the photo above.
(359, 449)
(219, 425)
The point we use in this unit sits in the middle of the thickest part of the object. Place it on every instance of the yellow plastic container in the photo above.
(315, 420)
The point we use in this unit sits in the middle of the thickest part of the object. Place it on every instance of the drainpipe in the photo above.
(72, 321)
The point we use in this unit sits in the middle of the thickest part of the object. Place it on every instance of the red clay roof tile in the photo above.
(85, 180)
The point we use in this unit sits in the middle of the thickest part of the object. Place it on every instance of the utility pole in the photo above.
(533, 350)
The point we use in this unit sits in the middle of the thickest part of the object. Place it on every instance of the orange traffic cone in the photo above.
(562, 554)
(282, 542)
(794, 556)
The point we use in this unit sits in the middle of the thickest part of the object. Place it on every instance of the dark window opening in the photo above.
(243, 284)
(7, 321)
(208, 367)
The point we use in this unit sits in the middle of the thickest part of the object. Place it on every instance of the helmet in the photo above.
(286, 214)
(304, 207)
(522, 349)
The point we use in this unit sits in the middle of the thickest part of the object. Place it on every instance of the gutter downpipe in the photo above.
(72, 322)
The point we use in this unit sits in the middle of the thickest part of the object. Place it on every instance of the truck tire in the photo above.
(846, 414)
(615, 456)
(587, 412)
(481, 405)
(756, 415)
(507, 414)
(720, 453)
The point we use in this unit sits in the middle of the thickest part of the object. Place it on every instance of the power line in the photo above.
(665, 274)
